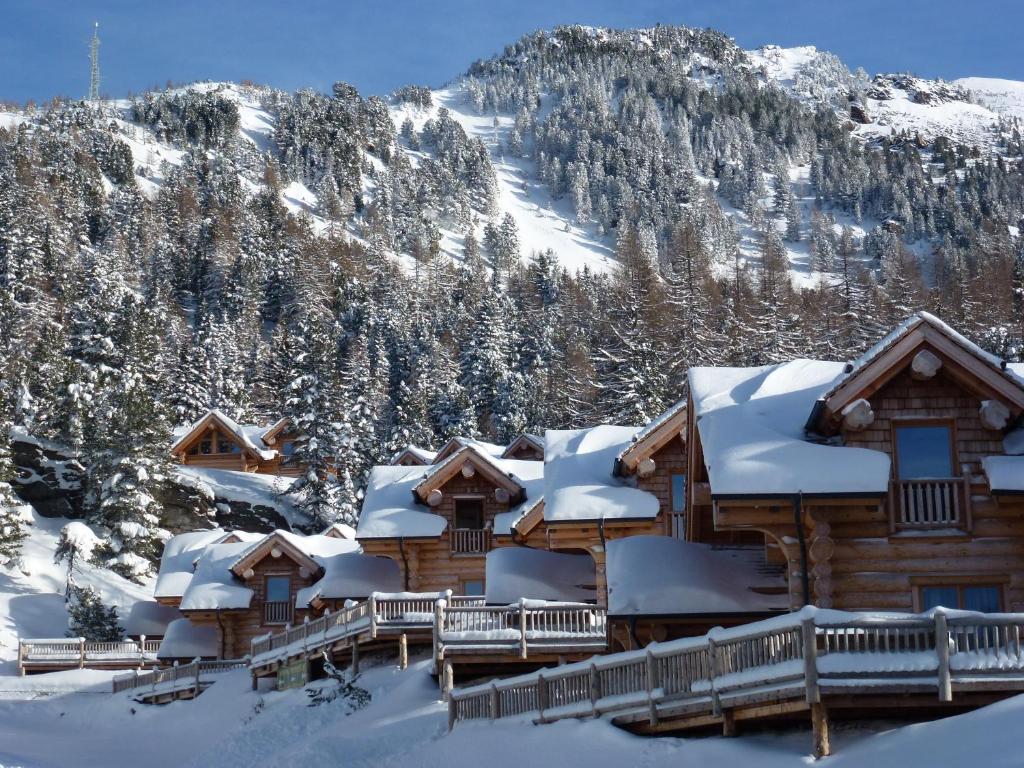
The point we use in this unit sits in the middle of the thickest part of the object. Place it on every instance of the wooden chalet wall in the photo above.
(858, 560)
(280, 465)
(240, 461)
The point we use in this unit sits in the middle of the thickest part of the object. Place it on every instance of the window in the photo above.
(288, 449)
(924, 450)
(469, 513)
(224, 446)
(278, 589)
(193, 451)
(678, 493)
(205, 447)
(473, 587)
(986, 598)
(277, 602)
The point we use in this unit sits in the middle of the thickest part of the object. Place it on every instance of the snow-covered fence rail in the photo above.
(175, 679)
(71, 652)
(797, 656)
(519, 628)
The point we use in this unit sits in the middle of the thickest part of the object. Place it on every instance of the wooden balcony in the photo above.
(278, 612)
(470, 541)
(53, 654)
(930, 503)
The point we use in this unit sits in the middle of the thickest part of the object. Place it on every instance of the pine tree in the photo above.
(89, 618)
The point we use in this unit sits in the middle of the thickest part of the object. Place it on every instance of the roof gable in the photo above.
(273, 545)
(229, 427)
(524, 441)
(655, 436)
(961, 360)
(458, 443)
(276, 429)
(470, 456)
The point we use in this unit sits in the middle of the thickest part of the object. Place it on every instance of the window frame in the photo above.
(929, 421)
(464, 591)
(266, 586)
(959, 583)
(479, 497)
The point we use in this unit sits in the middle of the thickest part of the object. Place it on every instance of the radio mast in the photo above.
(94, 60)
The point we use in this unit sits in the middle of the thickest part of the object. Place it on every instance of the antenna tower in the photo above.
(94, 60)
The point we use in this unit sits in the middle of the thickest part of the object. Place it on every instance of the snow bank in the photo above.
(751, 423)
(655, 575)
(352, 575)
(578, 477)
(149, 618)
(185, 640)
(388, 507)
(1005, 473)
(245, 487)
(517, 572)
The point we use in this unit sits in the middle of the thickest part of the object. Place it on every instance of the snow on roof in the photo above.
(150, 618)
(751, 424)
(250, 436)
(654, 424)
(341, 530)
(213, 585)
(423, 454)
(481, 446)
(389, 510)
(316, 547)
(1013, 442)
(516, 572)
(185, 640)
(656, 575)
(176, 563)
(1005, 473)
(247, 487)
(579, 480)
(352, 575)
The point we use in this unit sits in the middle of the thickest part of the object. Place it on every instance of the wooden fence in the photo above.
(176, 679)
(72, 652)
(796, 656)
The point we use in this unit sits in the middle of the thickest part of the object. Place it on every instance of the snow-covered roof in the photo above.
(185, 640)
(178, 559)
(654, 425)
(150, 618)
(352, 575)
(422, 455)
(751, 423)
(579, 479)
(249, 437)
(481, 446)
(213, 586)
(526, 438)
(247, 487)
(516, 572)
(339, 530)
(316, 548)
(1005, 473)
(389, 510)
(659, 575)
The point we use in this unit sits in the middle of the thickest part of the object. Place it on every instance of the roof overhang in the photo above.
(523, 441)
(273, 545)
(652, 440)
(279, 426)
(196, 431)
(455, 463)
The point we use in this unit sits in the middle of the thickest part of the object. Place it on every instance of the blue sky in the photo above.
(379, 45)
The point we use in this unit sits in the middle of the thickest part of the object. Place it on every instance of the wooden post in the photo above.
(495, 702)
(716, 704)
(819, 725)
(652, 683)
(373, 616)
(81, 653)
(21, 659)
(728, 723)
(255, 681)
(542, 695)
(142, 650)
(595, 687)
(438, 628)
(810, 643)
(522, 627)
(355, 657)
(452, 710)
(448, 681)
(942, 650)
(403, 651)
(196, 662)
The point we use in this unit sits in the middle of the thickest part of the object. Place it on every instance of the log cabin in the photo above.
(216, 441)
(439, 520)
(893, 482)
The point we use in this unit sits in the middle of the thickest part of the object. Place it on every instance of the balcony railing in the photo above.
(938, 502)
(277, 612)
(470, 541)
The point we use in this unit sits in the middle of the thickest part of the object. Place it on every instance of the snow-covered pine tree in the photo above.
(89, 618)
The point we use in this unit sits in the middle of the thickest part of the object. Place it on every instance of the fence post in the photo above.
(198, 690)
(942, 650)
(448, 681)
(542, 695)
(595, 688)
(495, 702)
(403, 651)
(81, 653)
(142, 650)
(373, 615)
(452, 710)
(355, 657)
(810, 644)
(438, 627)
(21, 658)
(652, 683)
(522, 627)
(716, 704)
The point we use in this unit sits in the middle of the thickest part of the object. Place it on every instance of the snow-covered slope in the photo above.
(405, 725)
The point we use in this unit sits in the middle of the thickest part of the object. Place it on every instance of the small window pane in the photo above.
(288, 449)
(473, 588)
(984, 599)
(678, 493)
(223, 446)
(278, 589)
(933, 597)
(469, 513)
(205, 447)
(923, 452)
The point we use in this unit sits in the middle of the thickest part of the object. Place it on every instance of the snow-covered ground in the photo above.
(405, 725)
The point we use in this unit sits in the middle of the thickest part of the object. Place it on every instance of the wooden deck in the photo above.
(810, 663)
(56, 654)
(184, 681)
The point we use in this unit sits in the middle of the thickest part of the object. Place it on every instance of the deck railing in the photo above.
(77, 651)
(518, 628)
(278, 612)
(793, 656)
(931, 503)
(177, 677)
(470, 541)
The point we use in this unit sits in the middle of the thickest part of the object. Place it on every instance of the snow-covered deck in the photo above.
(800, 661)
(175, 682)
(54, 654)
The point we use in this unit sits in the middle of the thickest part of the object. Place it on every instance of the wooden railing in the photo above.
(278, 612)
(177, 677)
(470, 541)
(518, 628)
(931, 503)
(391, 611)
(795, 656)
(77, 651)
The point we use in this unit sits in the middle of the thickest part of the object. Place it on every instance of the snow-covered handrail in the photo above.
(176, 677)
(796, 655)
(77, 651)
